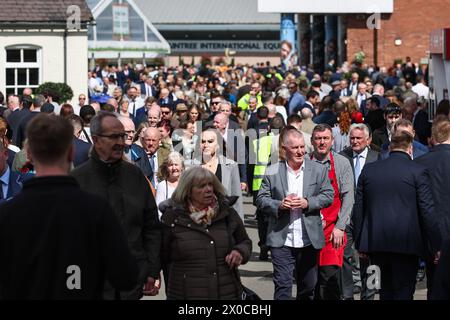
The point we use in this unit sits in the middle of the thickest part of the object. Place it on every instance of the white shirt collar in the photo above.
(290, 170)
(363, 154)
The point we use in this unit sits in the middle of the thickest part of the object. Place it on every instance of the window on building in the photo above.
(22, 68)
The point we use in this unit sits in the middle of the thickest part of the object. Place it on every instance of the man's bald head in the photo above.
(306, 113)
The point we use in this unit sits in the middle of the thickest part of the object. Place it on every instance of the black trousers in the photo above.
(304, 261)
(347, 267)
(350, 267)
(328, 283)
(398, 275)
(262, 226)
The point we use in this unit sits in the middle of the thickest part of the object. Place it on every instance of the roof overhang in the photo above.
(326, 6)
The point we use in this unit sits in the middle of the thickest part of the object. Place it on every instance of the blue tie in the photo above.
(357, 168)
(152, 166)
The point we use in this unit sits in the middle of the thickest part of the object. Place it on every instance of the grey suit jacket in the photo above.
(317, 190)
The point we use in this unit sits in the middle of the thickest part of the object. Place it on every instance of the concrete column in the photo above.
(304, 38)
(318, 37)
(331, 47)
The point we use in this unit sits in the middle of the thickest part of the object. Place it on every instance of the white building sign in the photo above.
(220, 46)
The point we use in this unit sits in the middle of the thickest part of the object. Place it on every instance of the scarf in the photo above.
(203, 216)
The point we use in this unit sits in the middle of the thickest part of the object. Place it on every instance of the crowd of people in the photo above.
(347, 169)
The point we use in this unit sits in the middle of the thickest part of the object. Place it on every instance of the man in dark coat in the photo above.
(129, 194)
(394, 217)
(418, 148)
(438, 163)
(359, 154)
(52, 245)
(81, 148)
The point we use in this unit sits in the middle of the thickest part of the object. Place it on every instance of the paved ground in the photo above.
(257, 274)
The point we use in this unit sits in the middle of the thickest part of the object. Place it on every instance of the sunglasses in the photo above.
(215, 102)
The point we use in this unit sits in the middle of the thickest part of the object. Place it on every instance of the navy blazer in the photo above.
(144, 92)
(327, 116)
(418, 150)
(15, 185)
(438, 163)
(394, 208)
(422, 127)
(82, 150)
(140, 158)
(141, 116)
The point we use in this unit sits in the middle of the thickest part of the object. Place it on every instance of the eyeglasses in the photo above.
(292, 87)
(114, 136)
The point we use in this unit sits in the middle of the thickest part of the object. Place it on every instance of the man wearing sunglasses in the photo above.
(129, 194)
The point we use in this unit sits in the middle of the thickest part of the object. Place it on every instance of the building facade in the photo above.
(49, 45)
(386, 31)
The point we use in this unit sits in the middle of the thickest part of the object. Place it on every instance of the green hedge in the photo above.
(61, 92)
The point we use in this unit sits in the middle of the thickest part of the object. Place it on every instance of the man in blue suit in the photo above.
(81, 148)
(394, 218)
(10, 181)
(405, 125)
(438, 163)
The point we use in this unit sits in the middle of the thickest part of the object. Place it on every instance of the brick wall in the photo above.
(412, 22)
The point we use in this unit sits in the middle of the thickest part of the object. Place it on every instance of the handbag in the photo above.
(247, 294)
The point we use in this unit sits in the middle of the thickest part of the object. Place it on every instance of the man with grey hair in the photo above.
(114, 103)
(292, 193)
(354, 270)
(307, 123)
(128, 192)
(130, 130)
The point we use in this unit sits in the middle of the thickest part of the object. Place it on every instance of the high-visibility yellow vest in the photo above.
(244, 101)
(262, 148)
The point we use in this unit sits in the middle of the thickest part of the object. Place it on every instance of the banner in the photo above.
(288, 47)
(121, 23)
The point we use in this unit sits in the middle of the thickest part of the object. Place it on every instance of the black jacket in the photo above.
(128, 192)
(51, 226)
(394, 209)
(438, 163)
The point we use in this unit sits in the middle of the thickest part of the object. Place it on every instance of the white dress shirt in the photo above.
(297, 236)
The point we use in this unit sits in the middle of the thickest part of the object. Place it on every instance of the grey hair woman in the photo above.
(204, 239)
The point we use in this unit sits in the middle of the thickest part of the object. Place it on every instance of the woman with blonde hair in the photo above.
(204, 240)
(169, 175)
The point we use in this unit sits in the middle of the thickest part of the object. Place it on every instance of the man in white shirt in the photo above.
(135, 100)
(292, 193)
(421, 89)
